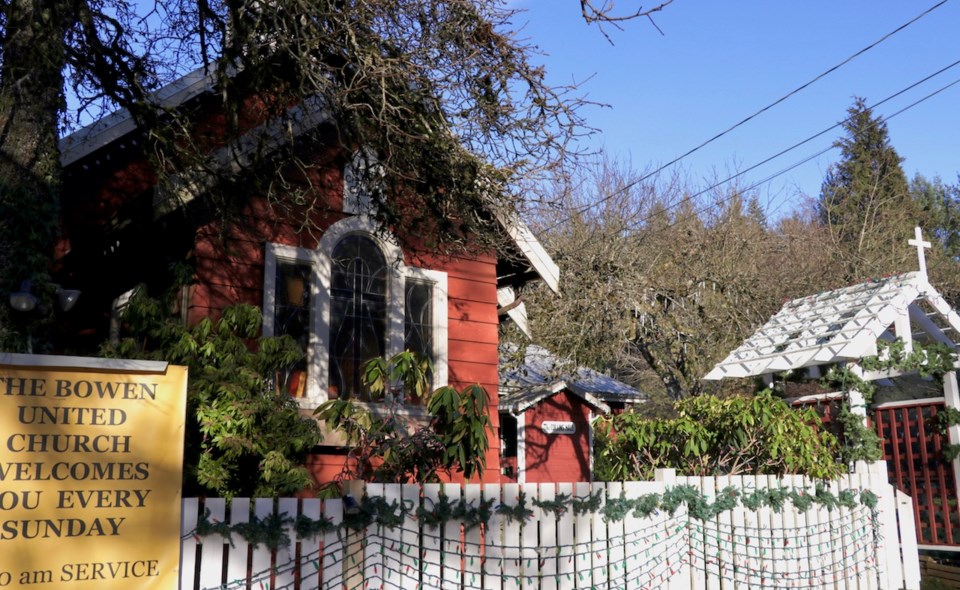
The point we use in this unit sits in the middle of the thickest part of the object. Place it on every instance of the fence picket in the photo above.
(411, 564)
(615, 540)
(334, 546)
(493, 542)
(261, 561)
(472, 543)
(430, 540)
(239, 549)
(908, 543)
(452, 543)
(511, 539)
(211, 547)
(189, 514)
(529, 540)
(547, 523)
(393, 540)
(599, 537)
(310, 548)
(583, 528)
(373, 575)
(566, 548)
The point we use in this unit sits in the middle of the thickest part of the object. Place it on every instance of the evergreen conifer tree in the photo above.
(865, 200)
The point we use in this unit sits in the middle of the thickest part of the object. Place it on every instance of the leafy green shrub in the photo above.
(387, 445)
(244, 436)
(739, 435)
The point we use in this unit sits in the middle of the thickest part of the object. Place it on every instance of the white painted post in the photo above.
(353, 549)
(951, 399)
(310, 552)
(237, 561)
(188, 546)
(373, 575)
(260, 568)
(430, 540)
(522, 448)
(908, 541)
(453, 556)
(285, 570)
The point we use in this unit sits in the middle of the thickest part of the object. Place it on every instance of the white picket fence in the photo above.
(843, 548)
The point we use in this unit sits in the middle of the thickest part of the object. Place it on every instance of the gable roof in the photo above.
(844, 324)
(542, 375)
(121, 123)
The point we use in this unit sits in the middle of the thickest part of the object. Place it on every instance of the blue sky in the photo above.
(719, 62)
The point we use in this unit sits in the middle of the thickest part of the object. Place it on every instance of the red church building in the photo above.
(347, 293)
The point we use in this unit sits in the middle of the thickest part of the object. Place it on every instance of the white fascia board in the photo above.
(532, 249)
(87, 140)
(539, 395)
(590, 399)
(506, 296)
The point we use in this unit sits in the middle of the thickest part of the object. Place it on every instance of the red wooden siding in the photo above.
(557, 457)
(230, 271)
(912, 449)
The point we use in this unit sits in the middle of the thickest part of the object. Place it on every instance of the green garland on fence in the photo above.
(271, 531)
(928, 360)
(946, 418)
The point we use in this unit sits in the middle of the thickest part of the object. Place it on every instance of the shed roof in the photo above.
(541, 375)
(844, 324)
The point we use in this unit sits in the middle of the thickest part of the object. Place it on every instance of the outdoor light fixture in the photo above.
(23, 300)
(67, 298)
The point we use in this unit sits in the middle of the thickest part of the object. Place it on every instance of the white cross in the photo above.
(921, 245)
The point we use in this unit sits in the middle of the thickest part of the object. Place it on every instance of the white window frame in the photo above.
(318, 355)
(440, 321)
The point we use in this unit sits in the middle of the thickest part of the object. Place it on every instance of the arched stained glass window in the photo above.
(358, 313)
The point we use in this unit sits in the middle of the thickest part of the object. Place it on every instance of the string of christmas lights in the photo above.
(804, 556)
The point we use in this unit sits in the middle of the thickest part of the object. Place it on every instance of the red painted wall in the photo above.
(557, 457)
(229, 263)
(230, 270)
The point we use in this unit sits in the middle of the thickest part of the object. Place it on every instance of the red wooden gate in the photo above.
(912, 446)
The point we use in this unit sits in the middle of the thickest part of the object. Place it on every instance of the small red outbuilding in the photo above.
(547, 407)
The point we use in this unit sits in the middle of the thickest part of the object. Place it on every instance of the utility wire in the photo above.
(797, 164)
(766, 108)
(809, 139)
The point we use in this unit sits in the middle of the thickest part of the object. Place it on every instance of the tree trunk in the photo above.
(31, 99)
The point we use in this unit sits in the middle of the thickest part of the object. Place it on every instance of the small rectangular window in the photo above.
(292, 318)
(418, 319)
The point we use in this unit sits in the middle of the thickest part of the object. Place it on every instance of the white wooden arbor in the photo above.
(845, 325)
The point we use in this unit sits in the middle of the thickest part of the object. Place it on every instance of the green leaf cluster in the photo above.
(392, 443)
(390, 514)
(711, 436)
(860, 443)
(245, 437)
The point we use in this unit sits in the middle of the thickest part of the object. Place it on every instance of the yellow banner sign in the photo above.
(91, 455)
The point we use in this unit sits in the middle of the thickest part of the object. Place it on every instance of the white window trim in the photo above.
(276, 254)
(318, 356)
(440, 321)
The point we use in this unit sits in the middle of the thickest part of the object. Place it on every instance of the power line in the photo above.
(766, 108)
(801, 162)
(811, 138)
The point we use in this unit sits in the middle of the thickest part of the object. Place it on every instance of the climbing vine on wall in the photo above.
(861, 443)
